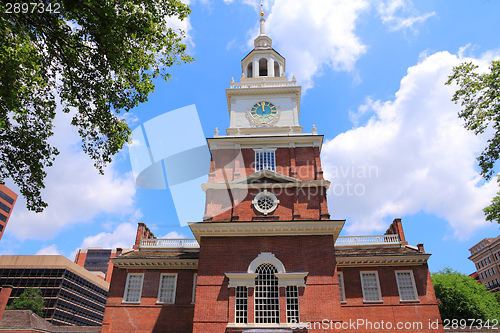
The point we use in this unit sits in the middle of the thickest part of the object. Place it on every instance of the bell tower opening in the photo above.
(276, 70)
(250, 70)
(263, 67)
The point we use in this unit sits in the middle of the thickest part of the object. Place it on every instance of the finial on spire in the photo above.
(262, 20)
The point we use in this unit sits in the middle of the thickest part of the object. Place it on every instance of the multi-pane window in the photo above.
(133, 288)
(166, 290)
(482, 276)
(267, 300)
(406, 286)
(489, 272)
(341, 287)
(496, 256)
(4, 207)
(493, 270)
(195, 277)
(241, 304)
(6, 197)
(370, 286)
(265, 160)
(292, 304)
(489, 260)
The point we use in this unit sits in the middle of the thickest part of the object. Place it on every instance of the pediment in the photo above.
(265, 176)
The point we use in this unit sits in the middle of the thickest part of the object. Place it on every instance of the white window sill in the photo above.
(373, 302)
(410, 301)
(128, 302)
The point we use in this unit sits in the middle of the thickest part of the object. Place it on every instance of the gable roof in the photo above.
(271, 175)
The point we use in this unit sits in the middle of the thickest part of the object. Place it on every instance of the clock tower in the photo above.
(266, 240)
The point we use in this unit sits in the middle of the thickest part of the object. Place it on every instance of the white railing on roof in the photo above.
(169, 243)
(235, 85)
(367, 240)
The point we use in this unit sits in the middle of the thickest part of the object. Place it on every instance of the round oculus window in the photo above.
(265, 202)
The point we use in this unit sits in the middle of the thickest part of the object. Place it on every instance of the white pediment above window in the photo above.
(270, 176)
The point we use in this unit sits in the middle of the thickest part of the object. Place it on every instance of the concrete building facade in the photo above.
(73, 296)
(486, 257)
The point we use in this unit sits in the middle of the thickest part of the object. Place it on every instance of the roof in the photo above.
(48, 262)
(377, 251)
(159, 254)
(25, 319)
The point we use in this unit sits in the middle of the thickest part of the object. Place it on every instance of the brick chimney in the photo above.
(4, 298)
(421, 247)
(142, 233)
(396, 228)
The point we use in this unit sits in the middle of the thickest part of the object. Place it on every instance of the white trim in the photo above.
(379, 294)
(257, 228)
(241, 279)
(292, 279)
(265, 193)
(159, 288)
(266, 257)
(195, 278)
(340, 276)
(129, 275)
(414, 286)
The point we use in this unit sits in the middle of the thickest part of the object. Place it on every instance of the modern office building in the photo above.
(97, 261)
(73, 296)
(486, 257)
(7, 201)
(267, 257)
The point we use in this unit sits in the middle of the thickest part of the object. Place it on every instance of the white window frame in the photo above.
(129, 275)
(414, 286)
(244, 317)
(195, 277)
(265, 150)
(159, 288)
(340, 276)
(289, 302)
(380, 300)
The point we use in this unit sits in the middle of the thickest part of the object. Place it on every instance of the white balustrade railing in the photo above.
(169, 243)
(235, 85)
(367, 240)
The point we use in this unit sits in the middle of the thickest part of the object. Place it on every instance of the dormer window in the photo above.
(265, 159)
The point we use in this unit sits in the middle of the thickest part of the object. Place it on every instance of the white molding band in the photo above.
(276, 228)
(266, 257)
(393, 260)
(154, 263)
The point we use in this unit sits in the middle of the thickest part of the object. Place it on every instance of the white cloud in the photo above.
(49, 250)
(122, 236)
(228, 1)
(74, 190)
(173, 235)
(314, 34)
(393, 12)
(412, 155)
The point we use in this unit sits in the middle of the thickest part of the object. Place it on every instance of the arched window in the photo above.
(276, 69)
(267, 296)
(249, 70)
(263, 67)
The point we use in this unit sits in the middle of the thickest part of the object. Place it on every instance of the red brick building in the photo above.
(267, 257)
(7, 201)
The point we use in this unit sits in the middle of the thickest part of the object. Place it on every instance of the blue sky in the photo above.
(372, 74)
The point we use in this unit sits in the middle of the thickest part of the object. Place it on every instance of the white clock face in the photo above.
(263, 111)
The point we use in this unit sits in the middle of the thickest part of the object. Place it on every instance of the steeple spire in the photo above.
(262, 20)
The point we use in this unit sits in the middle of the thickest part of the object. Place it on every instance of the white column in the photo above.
(256, 68)
(281, 70)
(270, 67)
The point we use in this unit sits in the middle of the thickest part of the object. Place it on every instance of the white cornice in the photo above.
(255, 142)
(155, 263)
(263, 91)
(284, 279)
(390, 260)
(268, 186)
(265, 174)
(267, 228)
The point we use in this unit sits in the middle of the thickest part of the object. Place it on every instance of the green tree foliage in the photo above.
(30, 299)
(479, 95)
(98, 57)
(462, 297)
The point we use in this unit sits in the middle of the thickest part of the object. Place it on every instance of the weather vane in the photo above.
(262, 9)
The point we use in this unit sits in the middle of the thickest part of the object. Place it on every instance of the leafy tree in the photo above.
(479, 94)
(98, 57)
(30, 299)
(462, 297)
